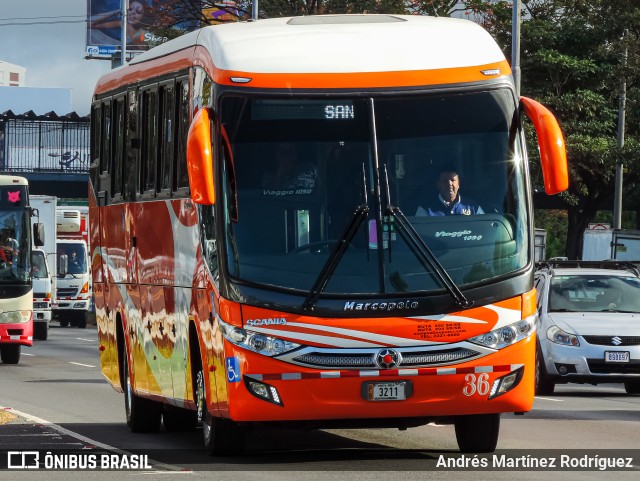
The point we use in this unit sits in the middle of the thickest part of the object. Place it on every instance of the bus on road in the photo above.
(16, 291)
(263, 247)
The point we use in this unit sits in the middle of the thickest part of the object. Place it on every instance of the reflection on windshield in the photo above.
(594, 293)
(299, 166)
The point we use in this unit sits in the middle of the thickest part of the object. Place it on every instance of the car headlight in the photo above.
(507, 335)
(256, 341)
(557, 335)
(15, 317)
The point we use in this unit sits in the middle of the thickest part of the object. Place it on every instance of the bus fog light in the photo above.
(506, 383)
(259, 389)
(263, 391)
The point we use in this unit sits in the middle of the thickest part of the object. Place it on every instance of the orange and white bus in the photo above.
(259, 249)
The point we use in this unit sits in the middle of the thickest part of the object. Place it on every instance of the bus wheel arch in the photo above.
(220, 435)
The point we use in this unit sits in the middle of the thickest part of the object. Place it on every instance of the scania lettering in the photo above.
(237, 203)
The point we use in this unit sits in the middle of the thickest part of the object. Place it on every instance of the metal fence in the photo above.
(30, 143)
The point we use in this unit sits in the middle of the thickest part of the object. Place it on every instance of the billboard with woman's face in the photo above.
(104, 25)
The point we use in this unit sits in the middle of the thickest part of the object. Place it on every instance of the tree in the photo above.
(572, 60)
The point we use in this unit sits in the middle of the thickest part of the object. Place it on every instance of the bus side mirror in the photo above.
(553, 154)
(38, 234)
(200, 159)
(63, 264)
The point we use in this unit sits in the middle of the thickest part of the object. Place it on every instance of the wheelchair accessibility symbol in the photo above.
(233, 369)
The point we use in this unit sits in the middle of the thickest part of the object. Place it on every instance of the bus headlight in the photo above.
(256, 341)
(15, 317)
(507, 335)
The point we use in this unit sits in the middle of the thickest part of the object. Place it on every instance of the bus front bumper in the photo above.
(268, 390)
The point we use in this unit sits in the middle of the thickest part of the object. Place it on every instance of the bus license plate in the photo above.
(616, 356)
(387, 391)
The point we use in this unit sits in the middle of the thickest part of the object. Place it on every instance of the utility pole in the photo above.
(123, 35)
(515, 45)
(622, 100)
(254, 10)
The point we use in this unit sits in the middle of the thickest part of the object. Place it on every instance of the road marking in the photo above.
(80, 364)
(26, 354)
(87, 340)
(92, 442)
(550, 399)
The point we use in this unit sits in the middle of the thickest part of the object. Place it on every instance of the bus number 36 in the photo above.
(476, 384)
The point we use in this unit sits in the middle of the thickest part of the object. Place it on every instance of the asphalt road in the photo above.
(57, 399)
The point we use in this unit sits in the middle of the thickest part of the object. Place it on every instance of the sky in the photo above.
(33, 35)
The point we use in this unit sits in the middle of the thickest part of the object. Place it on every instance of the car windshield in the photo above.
(38, 265)
(76, 259)
(594, 293)
(303, 176)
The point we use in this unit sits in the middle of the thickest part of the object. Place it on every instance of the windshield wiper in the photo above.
(361, 213)
(424, 251)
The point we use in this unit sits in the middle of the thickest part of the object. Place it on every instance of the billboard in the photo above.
(226, 12)
(104, 25)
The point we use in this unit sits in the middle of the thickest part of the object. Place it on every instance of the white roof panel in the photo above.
(341, 44)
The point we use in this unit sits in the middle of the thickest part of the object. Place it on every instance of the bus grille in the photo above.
(358, 360)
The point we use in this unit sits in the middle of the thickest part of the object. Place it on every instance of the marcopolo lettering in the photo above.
(277, 321)
(380, 306)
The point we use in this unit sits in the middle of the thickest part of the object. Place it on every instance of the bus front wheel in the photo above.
(477, 433)
(221, 436)
(10, 353)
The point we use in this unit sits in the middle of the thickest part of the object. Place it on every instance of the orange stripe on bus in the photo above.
(408, 78)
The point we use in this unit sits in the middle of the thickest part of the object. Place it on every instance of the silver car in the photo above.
(589, 324)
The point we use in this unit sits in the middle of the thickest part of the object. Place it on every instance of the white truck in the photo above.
(44, 264)
(74, 280)
(619, 244)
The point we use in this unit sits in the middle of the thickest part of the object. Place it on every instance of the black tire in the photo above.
(10, 353)
(544, 385)
(143, 415)
(477, 433)
(41, 330)
(81, 319)
(64, 323)
(221, 436)
(177, 419)
(632, 387)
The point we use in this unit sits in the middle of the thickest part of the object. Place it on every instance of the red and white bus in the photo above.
(16, 290)
(233, 287)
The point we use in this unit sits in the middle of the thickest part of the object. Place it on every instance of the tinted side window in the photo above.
(183, 122)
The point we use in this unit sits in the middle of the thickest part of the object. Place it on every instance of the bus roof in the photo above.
(13, 180)
(337, 44)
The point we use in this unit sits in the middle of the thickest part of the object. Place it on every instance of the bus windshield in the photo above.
(373, 175)
(14, 236)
